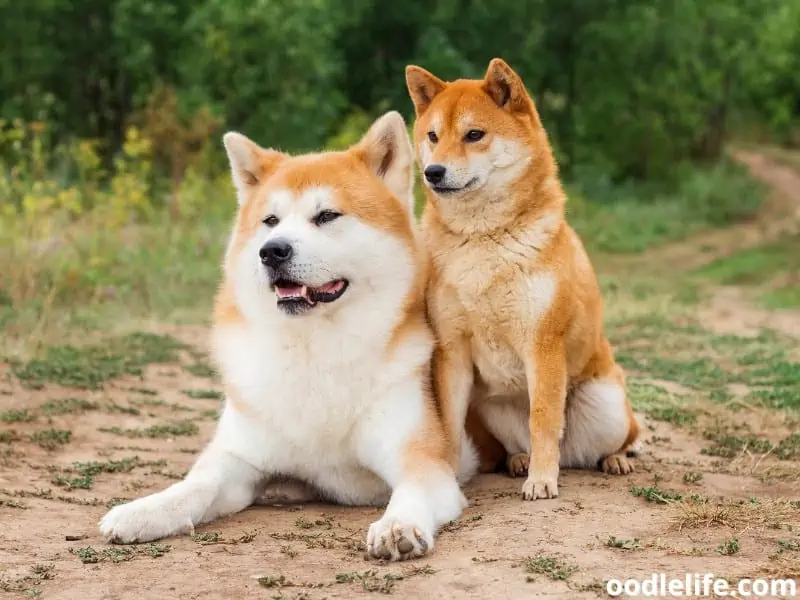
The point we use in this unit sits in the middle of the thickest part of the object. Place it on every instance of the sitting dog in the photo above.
(321, 338)
(513, 296)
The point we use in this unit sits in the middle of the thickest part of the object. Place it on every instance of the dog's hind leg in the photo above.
(601, 429)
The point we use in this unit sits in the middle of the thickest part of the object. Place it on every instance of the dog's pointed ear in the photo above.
(505, 87)
(250, 163)
(386, 150)
(423, 87)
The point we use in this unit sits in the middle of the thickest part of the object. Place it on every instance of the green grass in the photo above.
(680, 350)
(116, 554)
(51, 439)
(755, 265)
(729, 547)
(632, 218)
(654, 494)
(88, 367)
(163, 430)
(17, 416)
(204, 394)
(552, 566)
(67, 406)
(623, 544)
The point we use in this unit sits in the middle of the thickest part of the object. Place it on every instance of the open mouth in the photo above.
(441, 189)
(296, 296)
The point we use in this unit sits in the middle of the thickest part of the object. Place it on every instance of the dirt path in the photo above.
(780, 215)
(693, 505)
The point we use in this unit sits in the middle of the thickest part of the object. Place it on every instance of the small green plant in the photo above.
(729, 547)
(51, 439)
(552, 566)
(654, 494)
(17, 416)
(692, 477)
(208, 537)
(68, 406)
(622, 544)
(204, 394)
(165, 430)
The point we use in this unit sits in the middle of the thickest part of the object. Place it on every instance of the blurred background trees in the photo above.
(629, 89)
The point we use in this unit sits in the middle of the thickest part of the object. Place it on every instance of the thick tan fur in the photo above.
(513, 297)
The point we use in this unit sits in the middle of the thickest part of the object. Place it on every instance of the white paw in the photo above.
(392, 540)
(143, 520)
(540, 485)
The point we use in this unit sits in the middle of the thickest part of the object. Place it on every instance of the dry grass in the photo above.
(743, 515)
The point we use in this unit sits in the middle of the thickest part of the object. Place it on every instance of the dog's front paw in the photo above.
(391, 539)
(540, 484)
(143, 520)
(616, 464)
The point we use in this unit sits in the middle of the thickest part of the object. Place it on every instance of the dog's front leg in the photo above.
(453, 378)
(402, 443)
(546, 371)
(218, 484)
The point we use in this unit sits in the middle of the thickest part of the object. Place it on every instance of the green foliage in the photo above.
(88, 367)
(627, 88)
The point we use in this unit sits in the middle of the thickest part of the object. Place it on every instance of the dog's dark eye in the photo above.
(326, 216)
(433, 137)
(271, 221)
(473, 135)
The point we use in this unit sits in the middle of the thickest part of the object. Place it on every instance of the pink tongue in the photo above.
(329, 288)
(290, 292)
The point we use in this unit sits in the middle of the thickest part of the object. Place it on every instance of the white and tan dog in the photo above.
(321, 337)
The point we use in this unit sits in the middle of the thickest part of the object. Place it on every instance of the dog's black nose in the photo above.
(435, 173)
(275, 252)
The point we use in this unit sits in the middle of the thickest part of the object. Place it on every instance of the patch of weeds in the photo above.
(113, 407)
(68, 406)
(303, 523)
(164, 430)
(203, 394)
(145, 391)
(789, 545)
(12, 504)
(201, 369)
(86, 471)
(777, 398)
(552, 566)
(654, 494)
(692, 477)
(728, 446)
(88, 367)
(72, 483)
(17, 416)
(370, 580)
(116, 554)
(51, 439)
(7, 437)
(207, 537)
(729, 547)
(614, 542)
(270, 581)
(673, 415)
(116, 502)
(789, 448)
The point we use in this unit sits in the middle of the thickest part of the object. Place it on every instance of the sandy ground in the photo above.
(501, 547)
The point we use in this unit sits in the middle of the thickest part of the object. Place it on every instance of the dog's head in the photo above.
(473, 137)
(315, 231)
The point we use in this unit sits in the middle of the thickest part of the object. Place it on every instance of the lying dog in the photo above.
(322, 341)
(513, 297)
